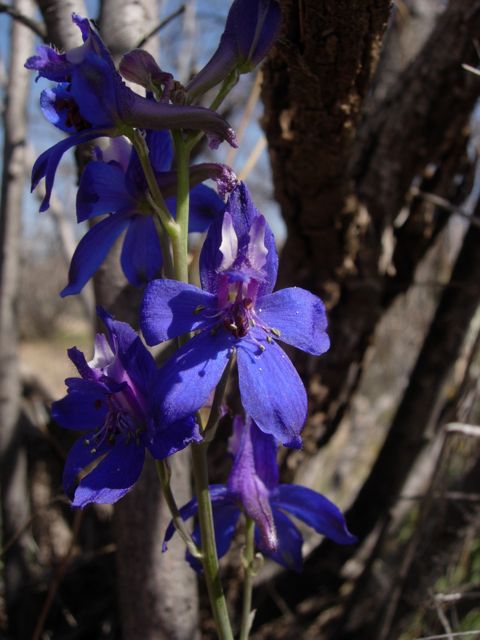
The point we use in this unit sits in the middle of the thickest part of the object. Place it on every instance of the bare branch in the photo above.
(161, 25)
(37, 27)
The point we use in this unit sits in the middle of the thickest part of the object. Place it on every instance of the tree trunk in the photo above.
(342, 176)
(162, 608)
(13, 458)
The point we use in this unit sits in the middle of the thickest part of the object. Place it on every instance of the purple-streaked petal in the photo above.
(172, 309)
(187, 379)
(84, 408)
(243, 212)
(50, 64)
(289, 551)
(245, 483)
(46, 164)
(299, 316)
(141, 256)
(113, 477)
(92, 251)
(315, 510)
(271, 390)
(102, 190)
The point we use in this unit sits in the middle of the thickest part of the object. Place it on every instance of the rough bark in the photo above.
(163, 608)
(313, 96)
(314, 88)
(335, 237)
(13, 459)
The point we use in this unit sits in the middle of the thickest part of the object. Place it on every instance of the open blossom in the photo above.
(253, 489)
(91, 100)
(236, 311)
(115, 183)
(251, 29)
(111, 403)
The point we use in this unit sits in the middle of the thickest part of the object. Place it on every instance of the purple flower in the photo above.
(253, 489)
(251, 29)
(91, 100)
(236, 310)
(115, 183)
(111, 403)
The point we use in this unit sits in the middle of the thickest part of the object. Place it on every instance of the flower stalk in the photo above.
(209, 548)
(164, 475)
(157, 200)
(199, 452)
(248, 559)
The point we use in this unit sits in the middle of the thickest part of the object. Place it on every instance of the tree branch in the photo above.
(37, 27)
(161, 25)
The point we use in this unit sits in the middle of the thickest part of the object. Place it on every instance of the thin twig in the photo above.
(456, 634)
(474, 70)
(160, 26)
(247, 114)
(57, 578)
(443, 619)
(445, 204)
(9, 544)
(253, 158)
(37, 27)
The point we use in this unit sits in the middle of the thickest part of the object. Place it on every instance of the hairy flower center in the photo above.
(73, 117)
(238, 317)
(123, 419)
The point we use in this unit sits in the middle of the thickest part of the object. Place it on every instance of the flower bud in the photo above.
(251, 28)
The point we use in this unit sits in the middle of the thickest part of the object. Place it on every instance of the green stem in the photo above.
(157, 200)
(164, 476)
(209, 548)
(180, 239)
(166, 248)
(249, 556)
(199, 451)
